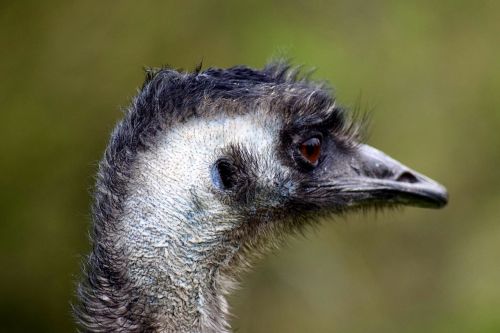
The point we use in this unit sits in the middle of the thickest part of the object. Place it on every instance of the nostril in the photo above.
(407, 177)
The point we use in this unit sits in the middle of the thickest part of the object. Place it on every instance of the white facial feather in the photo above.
(174, 249)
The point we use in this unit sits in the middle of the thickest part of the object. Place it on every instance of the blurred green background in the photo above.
(430, 72)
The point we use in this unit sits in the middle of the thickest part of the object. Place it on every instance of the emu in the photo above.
(209, 170)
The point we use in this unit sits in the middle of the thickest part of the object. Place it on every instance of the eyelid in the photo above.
(311, 134)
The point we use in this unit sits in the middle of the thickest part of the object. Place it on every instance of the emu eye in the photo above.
(311, 150)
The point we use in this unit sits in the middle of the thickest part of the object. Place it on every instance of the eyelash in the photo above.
(346, 127)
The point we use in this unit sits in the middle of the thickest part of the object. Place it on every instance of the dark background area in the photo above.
(429, 71)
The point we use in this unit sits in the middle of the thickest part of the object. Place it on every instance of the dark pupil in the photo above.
(311, 148)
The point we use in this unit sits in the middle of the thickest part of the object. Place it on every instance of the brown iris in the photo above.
(310, 150)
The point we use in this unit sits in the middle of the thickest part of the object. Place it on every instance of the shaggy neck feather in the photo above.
(177, 268)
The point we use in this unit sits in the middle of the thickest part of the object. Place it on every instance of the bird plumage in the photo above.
(203, 175)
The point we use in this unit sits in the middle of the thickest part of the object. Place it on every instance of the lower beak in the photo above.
(378, 178)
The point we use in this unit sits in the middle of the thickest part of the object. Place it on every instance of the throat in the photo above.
(176, 246)
(182, 284)
(186, 301)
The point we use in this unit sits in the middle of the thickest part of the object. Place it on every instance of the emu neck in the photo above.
(175, 237)
(175, 253)
(176, 269)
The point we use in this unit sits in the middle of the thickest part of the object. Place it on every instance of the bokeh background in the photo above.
(429, 71)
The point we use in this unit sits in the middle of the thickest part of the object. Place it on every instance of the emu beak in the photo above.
(378, 178)
(368, 177)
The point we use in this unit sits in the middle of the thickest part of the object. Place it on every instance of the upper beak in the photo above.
(370, 177)
(376, 177)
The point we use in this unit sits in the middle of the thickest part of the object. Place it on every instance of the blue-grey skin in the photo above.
(204, 174)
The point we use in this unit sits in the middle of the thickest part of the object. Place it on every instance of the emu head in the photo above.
(240, 152)
(209, 168)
